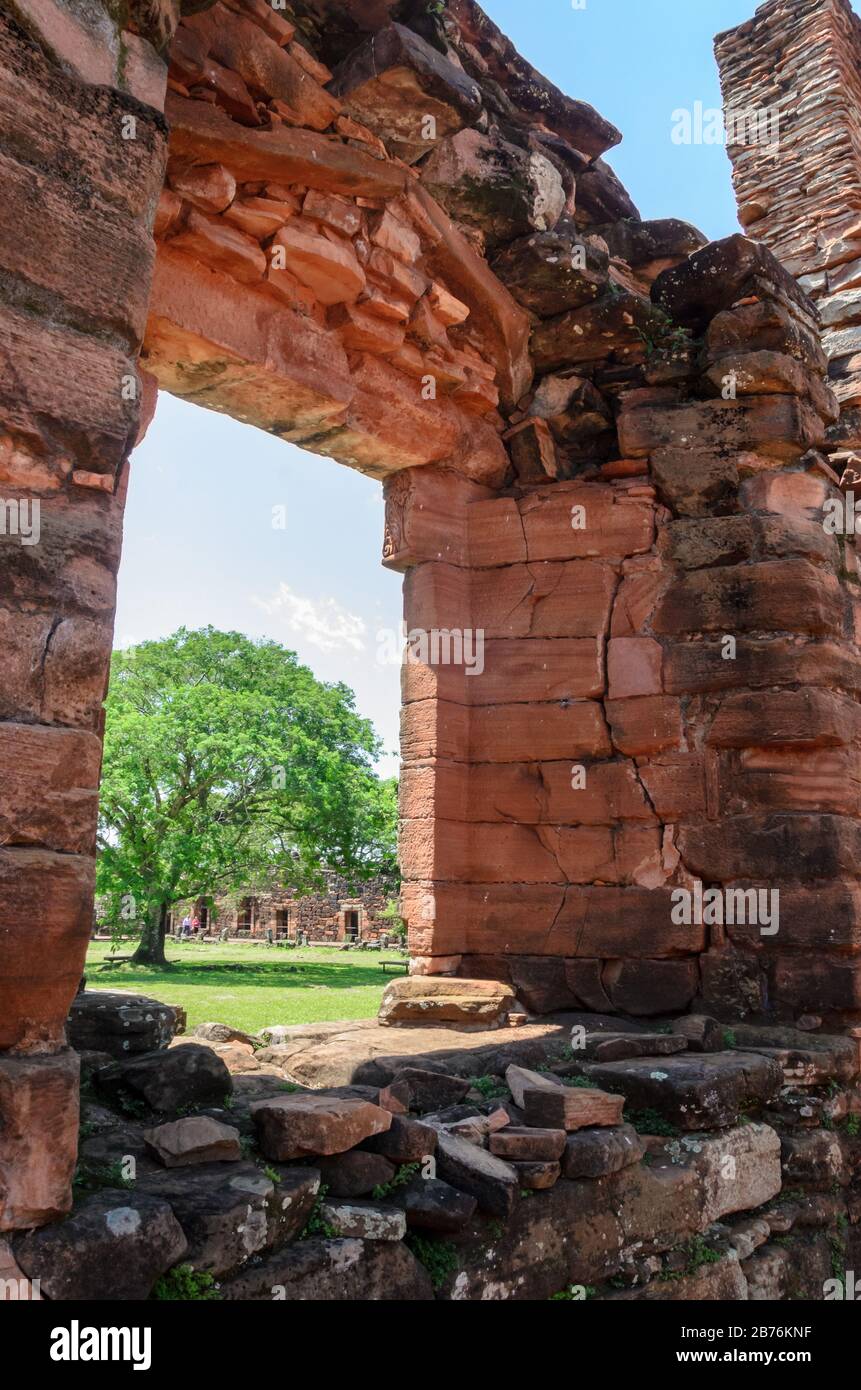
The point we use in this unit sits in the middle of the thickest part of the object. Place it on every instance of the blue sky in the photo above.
(200, 546)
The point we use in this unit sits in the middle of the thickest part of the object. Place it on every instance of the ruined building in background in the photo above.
(344, 911)
(373, 229)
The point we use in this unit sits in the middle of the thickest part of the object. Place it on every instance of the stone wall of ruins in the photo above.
(286, 913)
(398, 245)
(602, 657)
(76, 259)
(799, 184)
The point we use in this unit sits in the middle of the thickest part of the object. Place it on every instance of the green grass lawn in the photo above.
(251, 986)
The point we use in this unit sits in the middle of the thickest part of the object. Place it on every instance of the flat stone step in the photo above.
(366, 1052)
(117, 1241)
(442, 999)
(616, 1047)
(807, 1059)
(707, 1090)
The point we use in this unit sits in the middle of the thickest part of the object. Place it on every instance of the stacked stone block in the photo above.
(83, 159)
(601, 452)
(795, 67)
(668, 695)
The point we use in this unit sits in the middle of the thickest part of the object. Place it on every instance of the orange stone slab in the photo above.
(49, 794)
(49, 894)
(645, 724)
(38, 1137)
(528, 793)
(282, 154)
(546, 920)
(506, 733)
(509, 670)
(300, 1126)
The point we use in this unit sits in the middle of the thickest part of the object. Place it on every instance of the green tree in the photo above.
(227, 764)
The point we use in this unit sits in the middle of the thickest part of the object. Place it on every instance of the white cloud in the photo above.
(323, 623)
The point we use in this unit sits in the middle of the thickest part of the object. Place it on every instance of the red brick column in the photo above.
(82, 165)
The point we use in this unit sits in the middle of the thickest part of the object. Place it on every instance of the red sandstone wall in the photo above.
(602, 386)
(81, 166)
(606, 651)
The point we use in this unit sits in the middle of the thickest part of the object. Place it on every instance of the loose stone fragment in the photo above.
(293, 1126)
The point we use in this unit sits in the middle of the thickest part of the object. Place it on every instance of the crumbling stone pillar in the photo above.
(668, 691)
(758, 629)
(791, 79)
(82, 162)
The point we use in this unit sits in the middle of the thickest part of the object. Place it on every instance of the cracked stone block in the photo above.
(719, 275)
(335, 1271)
(116, 1241)
(122, 1024)
(364, 1220)
(230, 1214)
(38, 1137)
(395, 81)
(704, 1091)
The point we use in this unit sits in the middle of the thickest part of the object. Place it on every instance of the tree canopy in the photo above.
(228, 764)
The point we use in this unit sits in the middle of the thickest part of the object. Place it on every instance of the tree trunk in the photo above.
(150, 949)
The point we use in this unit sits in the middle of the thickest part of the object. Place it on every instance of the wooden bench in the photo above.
(396, 964)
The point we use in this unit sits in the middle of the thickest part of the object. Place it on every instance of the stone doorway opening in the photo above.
(386, 336)
(247, 917)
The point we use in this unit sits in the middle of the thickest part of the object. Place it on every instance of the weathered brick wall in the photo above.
(801, 194)
(82, 160)
(599, 452)
(691, 653)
